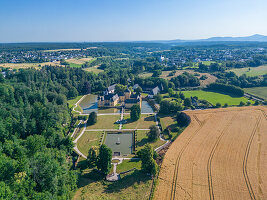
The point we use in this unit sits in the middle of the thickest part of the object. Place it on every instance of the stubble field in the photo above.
(220, 155)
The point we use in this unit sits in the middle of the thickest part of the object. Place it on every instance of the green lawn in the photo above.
(142, 140)
(74, 65)
(144, 122)
(89, 139)
(133, 185)
(108, 110)
(258, 91)
(254, 71)
(72, 102)
(128, 164)
(105, 122)
(214, 97)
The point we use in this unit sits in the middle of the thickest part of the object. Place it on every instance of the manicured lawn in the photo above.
(128, 164)
(144, 122)
(142, 140)
(72, 103)
(167, 121)
(214, 97)
(108, 110)
(105, 122)
(254, 71)
(89, 139)
(133, 185)
(258, 91)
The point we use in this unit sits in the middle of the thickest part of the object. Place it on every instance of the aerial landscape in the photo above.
(140, 100)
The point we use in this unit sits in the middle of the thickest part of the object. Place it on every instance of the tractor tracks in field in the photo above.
(245, 159)
(209, 169)
(177, 163)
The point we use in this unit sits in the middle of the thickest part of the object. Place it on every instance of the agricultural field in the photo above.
(251, 71)
(220, 155)
(89, 139)
(77, 62)
(145, 121)
(257, 91)
(105, 122)
(27, 65)
(214, 97)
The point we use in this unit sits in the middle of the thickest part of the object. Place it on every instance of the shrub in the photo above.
(241, 103)
(153, 134)
(218, 105)
(183, 119)
(92, 119)
(135, 112)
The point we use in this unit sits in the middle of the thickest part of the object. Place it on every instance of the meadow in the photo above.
(214, 97)
(251, 71)
(257, 91)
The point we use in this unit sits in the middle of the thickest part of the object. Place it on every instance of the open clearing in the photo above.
(257, 91)
(254, 71)
(220, 155)
(27, 65)
(214, 97)
(93, 69)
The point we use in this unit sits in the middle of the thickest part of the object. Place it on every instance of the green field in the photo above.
(214, 97)
(94, 69)
(72, 103)
(142, 140)
(257, 91)
(105, 122)
(251, 71)
(128, 164)
(133, 185)
(144, 122)
(89, 139)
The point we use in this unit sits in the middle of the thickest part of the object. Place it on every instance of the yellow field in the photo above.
(79, 61)
(221, 155)
(27, 65)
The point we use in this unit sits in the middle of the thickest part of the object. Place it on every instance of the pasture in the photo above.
(257, 91)
(251, 71)
(214, 97)
(220, 155)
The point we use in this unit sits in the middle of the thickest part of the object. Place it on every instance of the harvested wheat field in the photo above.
(222, 154)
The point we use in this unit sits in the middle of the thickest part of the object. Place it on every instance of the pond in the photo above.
(146, 108)
(120, 143)
(89, 104)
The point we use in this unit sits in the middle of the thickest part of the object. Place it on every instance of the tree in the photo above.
(5, 192)
(154, 133)
(183, 119)
(138, 90)
(156, 73)
(92, 119)
(120, 88)
(225, 105)
(241, 103)
(147, 158)
(218, 105)
(187, 102)
(158, 98)
(72, 93)
(182, 95)
(92, 157)
(104, 159)
(135, 112)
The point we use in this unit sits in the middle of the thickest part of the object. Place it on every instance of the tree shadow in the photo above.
(90, 177)
(142, 142)
(149, 118)
(128, 180)
(220, 92)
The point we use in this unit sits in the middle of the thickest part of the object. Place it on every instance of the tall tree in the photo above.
(104, 159)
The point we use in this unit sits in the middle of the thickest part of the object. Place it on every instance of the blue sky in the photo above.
(127, 20)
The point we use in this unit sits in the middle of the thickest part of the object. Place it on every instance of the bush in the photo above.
(92, 119)
(241, 103)
(154, 133)
(187, 102)
(218, 105)
(183, 119)
(135, 112)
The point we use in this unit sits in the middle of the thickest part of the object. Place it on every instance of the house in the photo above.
(154, 92)
(109, 100)
(110, 89)
(126, 98)
(135, 86)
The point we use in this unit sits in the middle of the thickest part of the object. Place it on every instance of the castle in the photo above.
(126, 98)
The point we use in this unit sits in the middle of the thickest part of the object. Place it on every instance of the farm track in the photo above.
(221, 155)
(174, 182)
(209, 170)
(245, 160)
